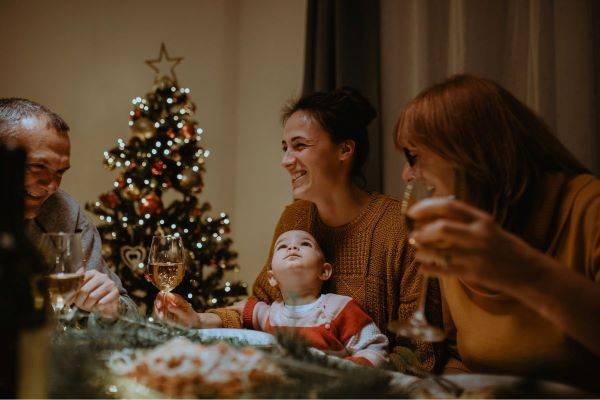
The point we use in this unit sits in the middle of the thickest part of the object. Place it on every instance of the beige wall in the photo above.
(243, 59)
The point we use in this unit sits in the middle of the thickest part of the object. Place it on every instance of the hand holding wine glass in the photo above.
(165, 267)
(64, 258)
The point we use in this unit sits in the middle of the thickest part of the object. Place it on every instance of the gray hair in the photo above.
(13, 110)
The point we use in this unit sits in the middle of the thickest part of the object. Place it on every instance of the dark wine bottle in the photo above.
(22, 304)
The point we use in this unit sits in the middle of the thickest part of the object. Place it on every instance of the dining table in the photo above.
(94, 358)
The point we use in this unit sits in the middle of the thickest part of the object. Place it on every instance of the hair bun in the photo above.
(361, 107)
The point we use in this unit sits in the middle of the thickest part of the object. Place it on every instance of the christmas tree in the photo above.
(163, 157)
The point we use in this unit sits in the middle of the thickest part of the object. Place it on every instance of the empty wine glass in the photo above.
(166, 266)
(417, 326)
(64, 258)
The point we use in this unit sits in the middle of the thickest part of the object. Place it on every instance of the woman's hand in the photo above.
(172, 308)
(456, 239)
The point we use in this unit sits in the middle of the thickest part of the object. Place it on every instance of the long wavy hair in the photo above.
(498, 147)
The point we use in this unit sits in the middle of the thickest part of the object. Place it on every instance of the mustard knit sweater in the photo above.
(372, 263)
(496, 334)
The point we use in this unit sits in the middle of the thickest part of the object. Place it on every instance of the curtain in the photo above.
(342, 49)
(544, 51)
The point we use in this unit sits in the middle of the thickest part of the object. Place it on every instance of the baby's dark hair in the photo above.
(344, 113)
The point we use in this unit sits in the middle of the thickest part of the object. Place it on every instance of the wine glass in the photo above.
(417, 326)
(166, 267)
(64, 257)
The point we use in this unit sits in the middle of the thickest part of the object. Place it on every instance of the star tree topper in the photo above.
(164, 66)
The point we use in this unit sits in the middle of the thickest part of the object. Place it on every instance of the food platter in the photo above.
(183, 368)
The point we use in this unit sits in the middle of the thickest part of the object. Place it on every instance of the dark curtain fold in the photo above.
(595, 138)
(343, 49)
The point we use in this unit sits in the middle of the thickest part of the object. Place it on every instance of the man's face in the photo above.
(298, 263)
(48, 154)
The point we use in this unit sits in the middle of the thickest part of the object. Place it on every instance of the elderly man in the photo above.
(45, 137)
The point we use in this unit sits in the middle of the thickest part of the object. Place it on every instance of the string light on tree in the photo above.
(163, 153)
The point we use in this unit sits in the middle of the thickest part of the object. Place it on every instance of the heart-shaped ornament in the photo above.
(134, 257)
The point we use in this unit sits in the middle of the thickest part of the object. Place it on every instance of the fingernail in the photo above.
(412, 241)
(158, 304)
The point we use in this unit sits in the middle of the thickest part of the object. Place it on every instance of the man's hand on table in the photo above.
(98, 294)
(172, 308)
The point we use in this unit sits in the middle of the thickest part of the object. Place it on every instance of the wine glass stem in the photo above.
(423, 297)
(169, 316)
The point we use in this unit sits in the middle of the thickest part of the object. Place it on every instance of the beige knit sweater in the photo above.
(372, 263)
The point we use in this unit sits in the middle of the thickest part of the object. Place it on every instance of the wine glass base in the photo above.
(415, 329)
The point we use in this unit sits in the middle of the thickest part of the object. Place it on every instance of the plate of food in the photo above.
(183, 368)
(242, 337)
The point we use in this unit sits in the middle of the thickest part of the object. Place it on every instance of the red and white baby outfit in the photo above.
(335, 324)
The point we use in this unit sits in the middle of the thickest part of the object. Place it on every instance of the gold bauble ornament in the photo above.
(106, 250)
(131, 192)
(191, 180)
(143, 128)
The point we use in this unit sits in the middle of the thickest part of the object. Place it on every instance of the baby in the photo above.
(332, 323)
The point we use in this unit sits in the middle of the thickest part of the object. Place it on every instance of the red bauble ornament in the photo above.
(171, 133)
(121, 181)
(188, 131)
(150, 204)
(137, 113)
(110, 199)
(158, 167)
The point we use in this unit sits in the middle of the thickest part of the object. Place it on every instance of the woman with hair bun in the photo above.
(325, 146)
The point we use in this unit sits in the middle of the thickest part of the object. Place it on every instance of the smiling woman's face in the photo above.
(428, 167)
(313, 160)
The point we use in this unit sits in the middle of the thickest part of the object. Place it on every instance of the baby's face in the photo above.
(298, 262)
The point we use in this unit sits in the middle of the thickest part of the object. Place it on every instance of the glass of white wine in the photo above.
(165, 267)
(64, 257)
(417, 326)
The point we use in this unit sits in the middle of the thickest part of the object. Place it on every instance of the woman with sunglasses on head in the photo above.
(325, 146)
(516, 239)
